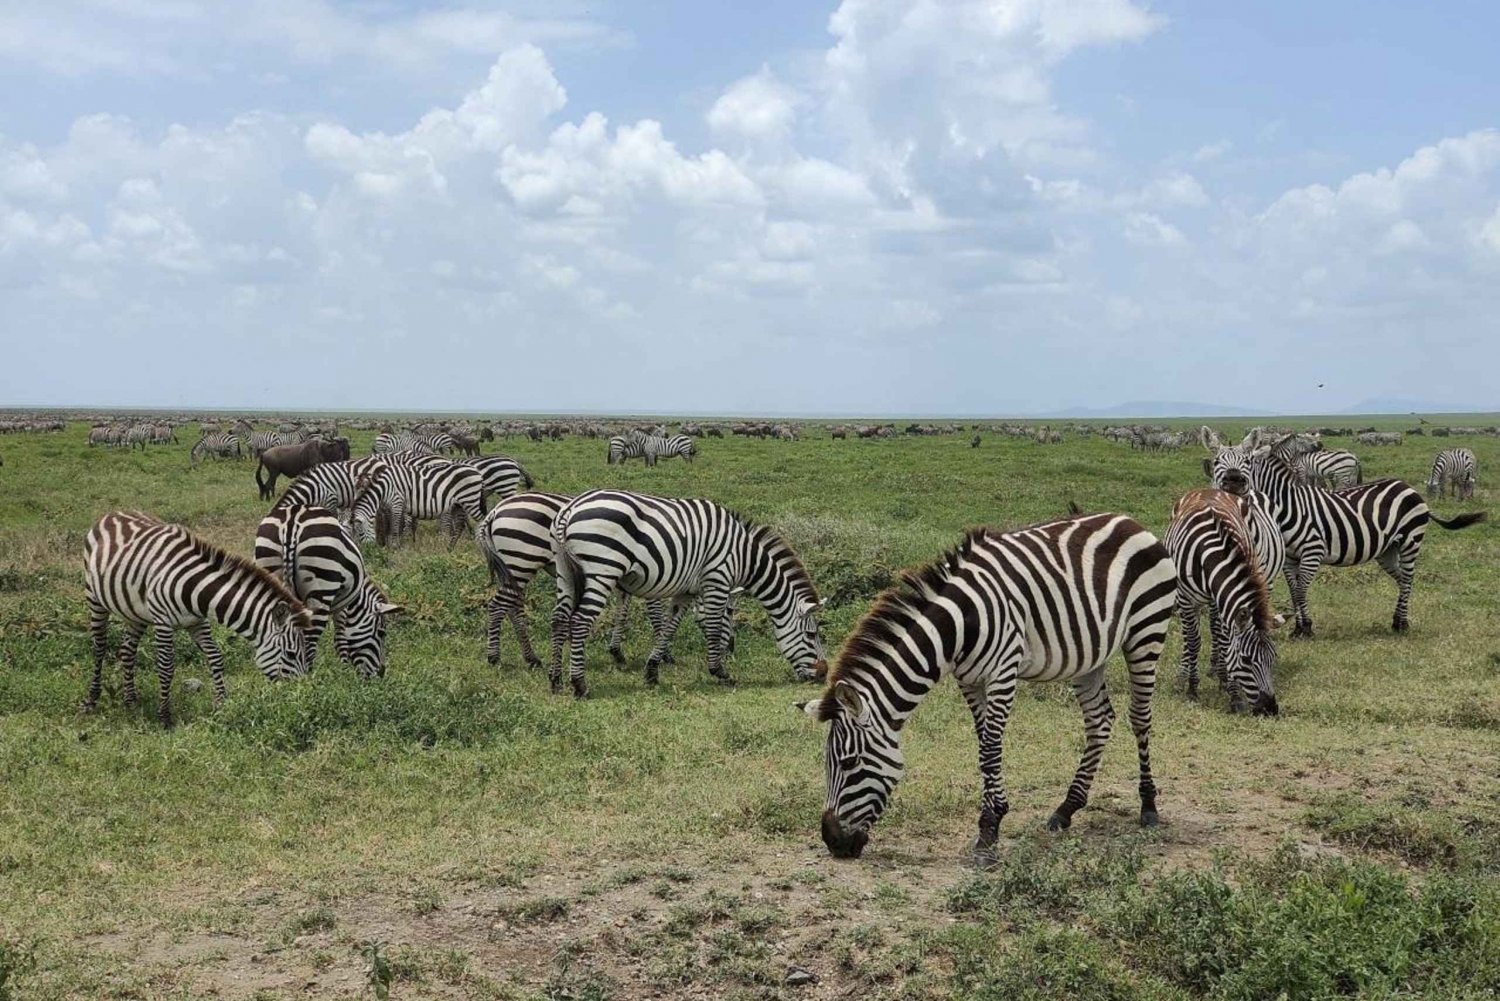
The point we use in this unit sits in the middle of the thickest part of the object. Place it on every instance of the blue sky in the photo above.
(868, 206)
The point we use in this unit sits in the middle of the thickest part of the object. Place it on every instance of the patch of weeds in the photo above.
(537, 910)
(1055, 879)
(426, 902)
(575, 981)
(889, 895)
(1294, 927)
(1047, 963)
(378, 973)
(319, 919)
(1419, 837)
(17, 960)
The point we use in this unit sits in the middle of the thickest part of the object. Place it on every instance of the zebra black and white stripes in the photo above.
(1330, 468)
(393, 442)
(317, 558)
(431, 487)
(220, 444)
(650, 447)
(1218, 571)
(503, 476)
(1385, 521)
(1049, 603)
(678, 549)
(359, 488)
(516, 539)
(150, 573)
(1454, 468)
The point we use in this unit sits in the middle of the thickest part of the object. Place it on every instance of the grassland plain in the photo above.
(455, 832)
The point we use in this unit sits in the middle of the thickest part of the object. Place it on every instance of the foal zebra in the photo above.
(516, 539)
(361, 487)
(682, 549)
(1333, 468)
(1049, 603)
(1217, 569)
(649, 447)
(431, 487)
(1456, 468)
(393, 442)
(314, 554)
(1384, 520)
(221, 444)
(150, 573)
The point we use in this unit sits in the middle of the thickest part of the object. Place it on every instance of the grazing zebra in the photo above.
(516, 539)
(1049, 603)
(150, 573)
(1217, 569)
(393, 442)
(221, 444)
(361, 487)
(431, 487)
(650, 447)
(1455, 467)
(314, 554)
(682, 549)
(259, 441)
(1384, 520)
(503, 476)
(1333, 468)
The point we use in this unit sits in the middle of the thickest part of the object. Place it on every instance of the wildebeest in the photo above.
(294, 460)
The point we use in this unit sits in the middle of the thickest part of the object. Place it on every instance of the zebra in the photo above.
(221, 444)
(1048, 603)
(259, 441)
(317, 558)
(392, 442)
(151, 573)
(1455, 467)
(516, 540)
(361, 487)
(1333, 468)
(1217, 568)
(650, 447)
(503, 476)
(682, 549)
(1383, 520)
(433, 487)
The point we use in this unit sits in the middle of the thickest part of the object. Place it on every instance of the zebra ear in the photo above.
(280, 613)
(810, 707)
(849, 698)
(1278, 620)
(386, 608)
(735, 592)
(1208, 467)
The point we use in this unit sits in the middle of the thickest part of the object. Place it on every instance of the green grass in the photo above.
(503, 843)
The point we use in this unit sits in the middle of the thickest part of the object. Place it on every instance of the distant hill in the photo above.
(1159, 408)
(1405, 405)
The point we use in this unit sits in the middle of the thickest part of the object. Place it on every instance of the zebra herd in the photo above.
(1051, 602)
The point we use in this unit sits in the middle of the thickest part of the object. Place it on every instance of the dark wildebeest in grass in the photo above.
(294, 460)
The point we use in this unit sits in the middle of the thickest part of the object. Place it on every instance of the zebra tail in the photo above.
(570, 567)
(499, 573)
(1462, 520)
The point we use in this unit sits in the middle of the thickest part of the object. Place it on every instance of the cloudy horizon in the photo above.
(876, 206)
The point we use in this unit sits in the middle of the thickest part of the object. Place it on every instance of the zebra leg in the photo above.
(1400, 562)
(1187, 669)
(590, 605)
(1299, 577)
(663, 644)
(1141, 661)
(99, 644)
(617, 632)
(517, 615)
(128, 648)
(990, 705)
(1098, 721)
(203, 635)
(656, 614)
(165, 637)
(562, 615)
(494, 621)
(1218, 657)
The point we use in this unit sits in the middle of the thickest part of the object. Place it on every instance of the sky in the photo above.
(708, 206)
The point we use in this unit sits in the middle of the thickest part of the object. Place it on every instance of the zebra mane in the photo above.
(1237, 528)
(223, 559)
(782, 553)
(879, 629)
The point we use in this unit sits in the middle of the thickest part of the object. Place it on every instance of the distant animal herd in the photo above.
(1052, 602)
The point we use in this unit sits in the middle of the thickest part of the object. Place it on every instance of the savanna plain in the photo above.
(454, 831)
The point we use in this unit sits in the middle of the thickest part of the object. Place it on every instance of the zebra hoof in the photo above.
(1192, 692)
(535, 663)
(1400, 625)
(492, 659)
(1302, 631)
(1149, 818)
(1057, 822)
(668, 659)
(556, 686)
(617, 655)
(88, 705)
(983, 856)
(725, 680)
(580, 690)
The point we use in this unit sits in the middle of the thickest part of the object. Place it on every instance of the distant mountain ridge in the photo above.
(1407, 405)
(1159, 408)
